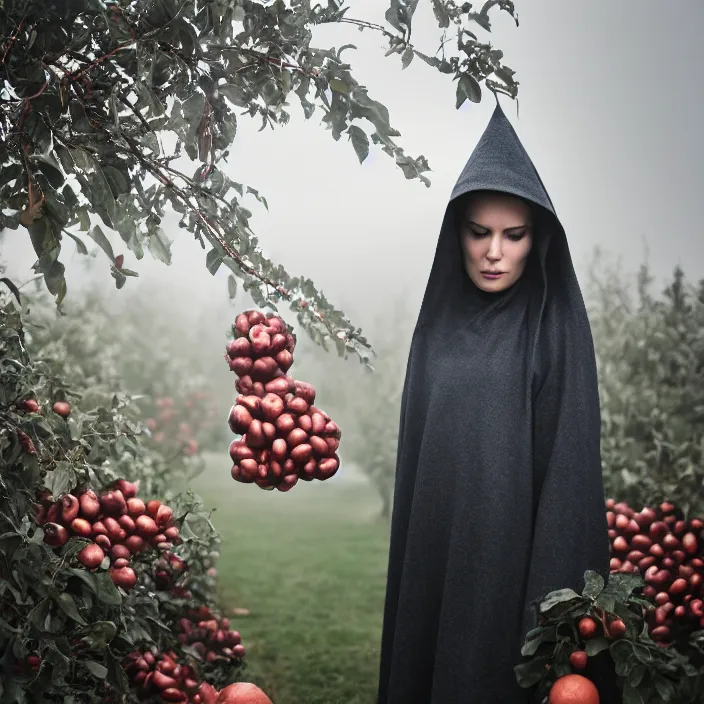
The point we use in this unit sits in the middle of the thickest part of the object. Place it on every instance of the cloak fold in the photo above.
(499, 495)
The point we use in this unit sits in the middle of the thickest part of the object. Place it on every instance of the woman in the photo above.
(499, 497)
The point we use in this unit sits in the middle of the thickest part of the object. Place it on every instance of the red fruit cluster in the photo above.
(261, 351)
(30, 405)
(118, 524)
(284, 436)
(161, 674)
(210, 637)
(669, 552)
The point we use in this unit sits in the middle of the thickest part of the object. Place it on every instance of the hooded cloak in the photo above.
(499, 496)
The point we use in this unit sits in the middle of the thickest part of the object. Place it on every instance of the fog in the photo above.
(611, 108)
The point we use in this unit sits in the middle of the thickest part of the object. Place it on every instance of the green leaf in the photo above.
(593, 585)
(665, 688)
(100, 584)
(96, 669)
(441, 14)
(68, 606)
(360, 142)
(213, 261)
(596, 645)
(51, 170)
(631, 695)
(80, 246)
(561, 596)
(339, 86)
(234, 93)
(61, 480)
(159, 245)
(98, 634)
(530, 673)
(536, 637)
(231, 286)
(407, 57)
(98, 236)
(468, 88)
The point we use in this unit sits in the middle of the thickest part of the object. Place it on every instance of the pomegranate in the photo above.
(272, 406)
(129, 489)
(587, 627)
(284, 359)
(55, 535)
(617, 628)
(69, 508)
(240, 419)
(164, 515)
(90, 506)
(136, 507)
(113, 503)
(208, 693)
(124, 577)
(571, 689)
(30, 405)
(91, 556)
(103, 541)
(82, 528)
(243, 693)
(578, 659)
(62, 408)
(146, 526)
(285, 423)
(153, 507)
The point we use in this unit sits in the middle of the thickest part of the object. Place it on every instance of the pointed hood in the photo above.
(500, 163)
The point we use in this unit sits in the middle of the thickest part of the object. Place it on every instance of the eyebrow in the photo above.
(508, 229)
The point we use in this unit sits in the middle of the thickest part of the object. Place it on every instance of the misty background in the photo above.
(611, 107)
(611, 110)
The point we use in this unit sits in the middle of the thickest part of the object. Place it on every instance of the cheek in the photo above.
(521, 250)
(473, 249)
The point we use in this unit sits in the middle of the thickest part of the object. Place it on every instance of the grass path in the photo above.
(310, 565)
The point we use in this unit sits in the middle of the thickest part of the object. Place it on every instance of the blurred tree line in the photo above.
(650, 356)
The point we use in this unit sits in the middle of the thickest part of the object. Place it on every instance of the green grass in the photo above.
(310, 565)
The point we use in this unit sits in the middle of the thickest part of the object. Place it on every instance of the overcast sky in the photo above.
(611, 112)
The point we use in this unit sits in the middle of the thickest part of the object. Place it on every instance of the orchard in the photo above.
(108, 560)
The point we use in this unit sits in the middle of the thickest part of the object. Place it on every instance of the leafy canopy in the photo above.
(100, 98)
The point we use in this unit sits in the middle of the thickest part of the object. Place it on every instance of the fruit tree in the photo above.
(94, 88)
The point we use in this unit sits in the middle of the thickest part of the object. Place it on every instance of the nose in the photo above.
(494, 252)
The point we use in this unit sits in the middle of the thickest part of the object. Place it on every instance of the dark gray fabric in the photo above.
(499, 495)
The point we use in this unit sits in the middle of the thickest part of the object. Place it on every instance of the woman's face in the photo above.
(496, 237)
